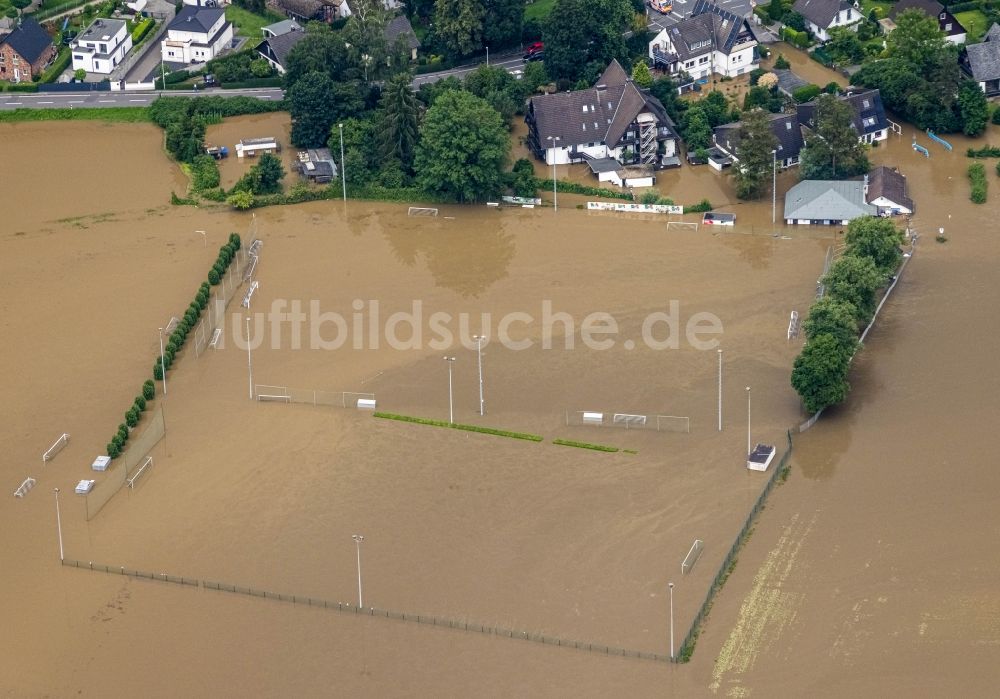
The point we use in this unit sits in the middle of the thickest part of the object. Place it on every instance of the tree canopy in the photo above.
(400, 120)
(855, 280)
(820, 373)
(320, 51)
(832, 150)
(754, 152)
(877, 239)
(830, 316)
(502, 22)
(582, 32)
(459, 25)
(315, 103)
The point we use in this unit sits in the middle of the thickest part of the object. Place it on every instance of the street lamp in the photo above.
(487, 55)
(451, 402)
(249, 362)
(59, 526)
(749, 449)
(671, 586)
(163, 367)
(774, 183)
(479, 351)
(555, 189)
(720, 390)
(358, 538)
(343, 170)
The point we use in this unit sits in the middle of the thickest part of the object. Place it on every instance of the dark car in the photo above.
(536, 56)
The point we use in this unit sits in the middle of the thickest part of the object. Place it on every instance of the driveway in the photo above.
(682, 9)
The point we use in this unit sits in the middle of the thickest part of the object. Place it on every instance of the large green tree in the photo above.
(364, 35)
(315, 103)
(877, 239)
(502, 22)
(754, 152)
(400, 120)
(580, 32)
(820, 373)
(463, 148)
(459, 25)
(832, 150)
(855, 280)
(498, 87)
(320, 51)
(830, 316)
(973, 109)
(918, 40)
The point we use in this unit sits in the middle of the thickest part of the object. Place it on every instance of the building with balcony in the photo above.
(710, 40)
(196, 35)
(613, 121)
(101, 46)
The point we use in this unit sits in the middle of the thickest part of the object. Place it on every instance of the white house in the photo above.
(710, 40)
(823, 15)
(101, 46)
(885, 189)
(196, 35)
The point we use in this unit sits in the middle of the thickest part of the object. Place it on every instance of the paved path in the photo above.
(509, 61)
(92, 99)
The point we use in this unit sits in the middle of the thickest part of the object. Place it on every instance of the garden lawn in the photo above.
(539, 9)
(249, 24)
(975, 24)
(868, 5)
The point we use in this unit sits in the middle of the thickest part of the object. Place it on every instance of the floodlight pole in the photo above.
(343, 170)
(249, 361)
(163, 367)
(451, 402)
(479, 351)
(774, 184)
(671, 586)
(59, 526)
(487, 55)
(720, 390)
(555, 188)
(749, 449)
(358, 538)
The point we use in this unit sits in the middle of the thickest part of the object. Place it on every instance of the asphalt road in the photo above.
(509, 62)
(90, 99)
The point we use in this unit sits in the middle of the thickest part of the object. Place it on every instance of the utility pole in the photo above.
(59, 526)
(720, 390)
(358, 538)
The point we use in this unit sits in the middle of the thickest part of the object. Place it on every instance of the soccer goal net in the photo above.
(681, 226)
(421, 211)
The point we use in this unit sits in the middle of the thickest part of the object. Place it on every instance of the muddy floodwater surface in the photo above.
(871, 572)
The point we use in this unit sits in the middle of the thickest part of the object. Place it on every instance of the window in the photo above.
(868, 122)
(584, 109)
(703, 60)
(866, 104)
(947, 27)
(788, 126)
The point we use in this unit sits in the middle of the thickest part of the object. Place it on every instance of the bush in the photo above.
(123, 432)
(140, 403)
(114, 451)
(142, 29)
(701, 207)
(985, 151)
(23, 87)
(755, 75)
(149, 390)
(204, 173)
(996, 116)
(781, 63)
(799, 39)
(998, 169)
(650, 197)
(157, 370)
(118, 440)
(806, 93)
(132, 417)
(234, 238)
(977, 176)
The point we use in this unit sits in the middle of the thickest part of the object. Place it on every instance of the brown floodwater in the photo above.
(869, 572)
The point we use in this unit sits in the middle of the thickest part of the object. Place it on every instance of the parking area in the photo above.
(683, 8)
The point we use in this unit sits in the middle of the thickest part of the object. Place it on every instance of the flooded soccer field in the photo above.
(888, 503)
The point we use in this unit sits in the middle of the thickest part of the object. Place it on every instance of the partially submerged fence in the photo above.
(336, 399)
(215, 313)
(629, 421)
(348, 608)
(129, 466)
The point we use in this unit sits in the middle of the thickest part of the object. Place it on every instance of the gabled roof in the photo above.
(785, 127)
(707, 27)
(889, 183)
(869, 113)
(192, 18)
(820, 12)
(600, 114)
(984, 58)
(281, 45)
(827, 200)
(932, 8)
(399, 26)
(282, 27)
(302, 8)
(614, 74)
(29, 40)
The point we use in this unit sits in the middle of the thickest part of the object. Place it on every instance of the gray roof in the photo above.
(932, 8)
(993, 33)
(282, 27)
(278, 47)
(101, 30)
(614, 74)
(820, 12)
(788, 82)
(399, 26)
(889, 183)
(307, 9)
(29, 40)
(984, 59)
(708, 26)
(827, 200)
(785, 127)
(196, 19)
(598, 165)
(600, 114)
(867, 107)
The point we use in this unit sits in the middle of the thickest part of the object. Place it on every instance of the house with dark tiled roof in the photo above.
(275, 49)
(886, 191)
(951, 28)
(614, 120)
(398, 29)
(982, 61)
(710, 40)
(823, 15)
(25, 52)
(869, 118)
(786, 130)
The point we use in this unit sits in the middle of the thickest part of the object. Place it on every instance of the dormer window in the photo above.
(584, 109)
(866, 104)
(788, 126)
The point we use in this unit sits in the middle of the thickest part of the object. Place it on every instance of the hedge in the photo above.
(458, 426)
(22, 87)
(61, 63)
(142, 29)
(576, 188)
(795, 38)
(965, 7)
(276, 81)
(806, 93)
(977, 176)
(985, 151)
(585, 445)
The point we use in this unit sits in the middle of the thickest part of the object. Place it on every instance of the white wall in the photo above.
(117, 46)
(177, 47)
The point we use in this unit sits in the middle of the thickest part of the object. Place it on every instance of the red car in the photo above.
(535, 47)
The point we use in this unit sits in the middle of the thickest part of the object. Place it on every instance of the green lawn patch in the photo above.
(459, 426)
(585, 445)
(868, 5)
(975, 24)
(116, 114)
(539, 9)
(249, 24)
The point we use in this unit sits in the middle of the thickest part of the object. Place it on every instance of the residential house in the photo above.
(399, 29)
(823, 15)
(886, 191)
(314, 10)
(196, 35)
(826, 202)
(101, 46)
(207, 3)
(786, 130)
(7, 25)
(869, 115)
(710, 40)
(279, 28)
(951, 28)
(275, 49)
(25, 52)
(613, 120)
(982, 62)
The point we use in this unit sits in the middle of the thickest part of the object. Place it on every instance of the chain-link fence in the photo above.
(128, 465)
(628, 421)
(215, 313)
(337, 399)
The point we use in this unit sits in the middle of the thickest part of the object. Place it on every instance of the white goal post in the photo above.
(421, 211)
(689, 560)
(682, 226)
(56, 447)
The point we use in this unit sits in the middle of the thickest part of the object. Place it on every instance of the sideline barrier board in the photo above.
(634, 208)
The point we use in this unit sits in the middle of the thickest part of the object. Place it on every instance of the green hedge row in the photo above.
(977, 176)
(21, 87)
(457, 426)
(585, 445)
(117, 444)
(576, 188)
(276, 81)
(985, 151)
(142, 29)
(63, 59)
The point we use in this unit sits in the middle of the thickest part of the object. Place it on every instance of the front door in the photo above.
(17, 75)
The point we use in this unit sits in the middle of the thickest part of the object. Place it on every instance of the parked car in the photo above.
(661, 6)
(210, 80)
(537, 46)
(536, 56)
(517, 74)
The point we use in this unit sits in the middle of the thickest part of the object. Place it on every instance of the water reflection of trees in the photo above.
(465, 261)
